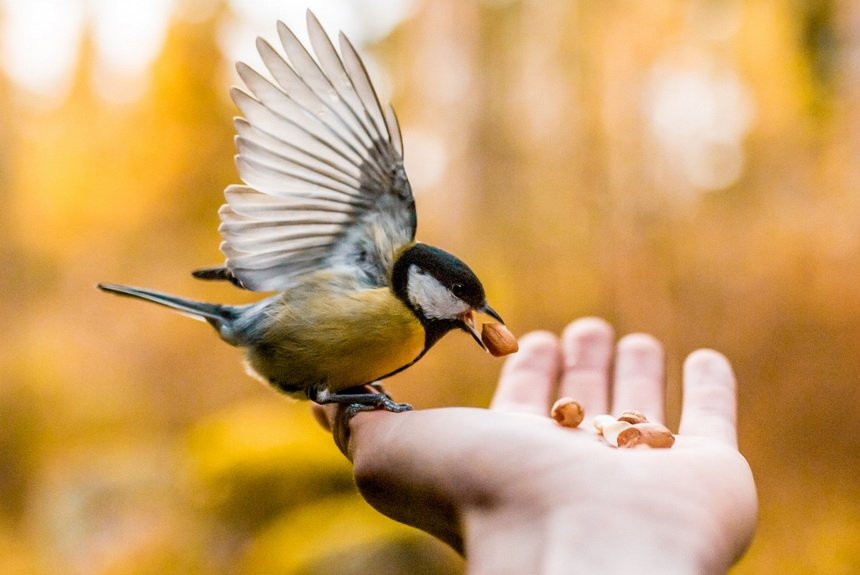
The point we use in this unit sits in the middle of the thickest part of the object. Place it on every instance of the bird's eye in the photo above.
(457, 289)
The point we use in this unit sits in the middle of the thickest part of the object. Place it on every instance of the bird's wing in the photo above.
(322, 166)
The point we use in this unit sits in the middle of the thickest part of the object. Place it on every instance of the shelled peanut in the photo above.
(498, 339)
(632, 429)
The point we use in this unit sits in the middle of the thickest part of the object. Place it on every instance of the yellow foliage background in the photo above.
(131, 442)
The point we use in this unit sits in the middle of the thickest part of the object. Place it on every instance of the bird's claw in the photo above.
(381, 402)
(359, 399)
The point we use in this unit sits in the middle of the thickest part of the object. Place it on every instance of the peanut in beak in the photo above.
(498, 339)
(494, 337)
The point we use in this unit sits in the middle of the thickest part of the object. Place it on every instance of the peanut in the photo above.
(567, 412)
(629, 437)
(632, 417)
(632, 429)
(611, 431)
(600, 421)
(498, 339)
(651, 435)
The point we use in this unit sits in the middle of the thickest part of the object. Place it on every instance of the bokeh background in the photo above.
(683, 167)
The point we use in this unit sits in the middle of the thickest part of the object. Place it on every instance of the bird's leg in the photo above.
(358, 399)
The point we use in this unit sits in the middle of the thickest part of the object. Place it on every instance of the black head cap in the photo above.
(446, 268)
(440, 289)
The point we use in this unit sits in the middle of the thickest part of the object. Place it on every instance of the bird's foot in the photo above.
(358, 399)
(382, 401)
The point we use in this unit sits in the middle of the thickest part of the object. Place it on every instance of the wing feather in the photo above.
(278, 181)
(265, 207)
(261, 154)
(322, 166)
(294, 153)
(306, 106)
(268, 121)
(361, 83)
(334, 70)
(394, 124)
(313, 76)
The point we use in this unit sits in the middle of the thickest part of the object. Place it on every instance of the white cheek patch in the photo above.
(434, 299)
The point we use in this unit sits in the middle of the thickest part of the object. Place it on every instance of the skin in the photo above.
(516, 493)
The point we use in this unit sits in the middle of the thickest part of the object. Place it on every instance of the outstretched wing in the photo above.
(322, 165)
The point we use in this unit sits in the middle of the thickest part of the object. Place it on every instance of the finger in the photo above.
(336, 418)
(587, 357)
(710, 405)
(528, 378)
(640, 376)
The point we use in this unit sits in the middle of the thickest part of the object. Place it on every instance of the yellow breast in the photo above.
(337, 341)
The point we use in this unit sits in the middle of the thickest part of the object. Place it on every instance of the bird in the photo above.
(326, 219)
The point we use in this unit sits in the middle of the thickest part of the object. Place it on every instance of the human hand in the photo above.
(519, 494)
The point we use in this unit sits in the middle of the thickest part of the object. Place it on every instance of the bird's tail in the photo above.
(215, 314)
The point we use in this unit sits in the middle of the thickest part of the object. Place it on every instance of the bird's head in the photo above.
(442, 291)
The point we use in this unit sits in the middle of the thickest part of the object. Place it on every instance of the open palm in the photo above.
(516, 492)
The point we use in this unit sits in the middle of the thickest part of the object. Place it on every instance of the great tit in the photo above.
(326, 217)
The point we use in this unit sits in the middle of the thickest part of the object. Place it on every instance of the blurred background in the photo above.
(683, 167)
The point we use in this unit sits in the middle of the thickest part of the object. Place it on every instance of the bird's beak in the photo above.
(468, 322)
(491, 312)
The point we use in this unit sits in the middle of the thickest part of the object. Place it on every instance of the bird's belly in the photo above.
(357, 345)
(374, 358)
